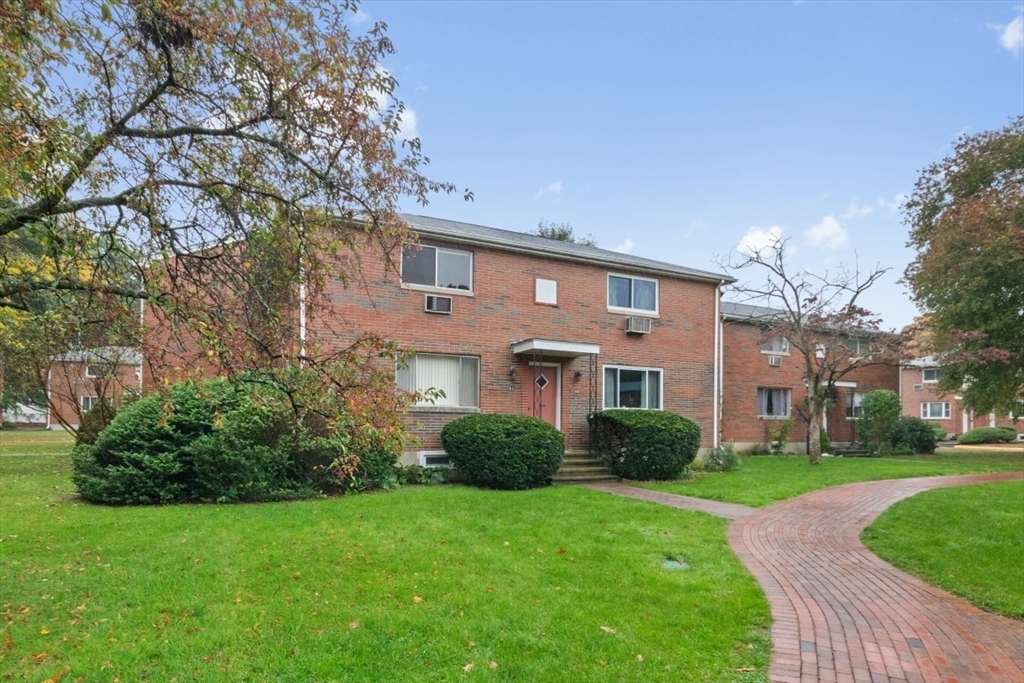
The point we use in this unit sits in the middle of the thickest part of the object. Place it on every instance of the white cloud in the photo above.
(893, 205)
(407, 125)
(626, 246)
(829, 232)
(1012, 35)
(758, 239)
(360, 17)
(855, 211)
(551, 188)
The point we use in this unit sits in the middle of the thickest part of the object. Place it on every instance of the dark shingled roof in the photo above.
(467, 233)
(752, 314)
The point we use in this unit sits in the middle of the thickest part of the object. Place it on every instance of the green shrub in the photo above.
(879, 411)
(504, 451)
(826, 443)
(645, 444)
(988, 435)
(912, 434)
(777, 432)
(722, 459)
(939, 431)
(415, 475)
(210, 442)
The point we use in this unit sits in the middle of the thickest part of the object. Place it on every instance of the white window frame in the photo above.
(109, 367)
(435, 287)
(644, 395)
(457, 406)
(924, 375)
(92, 400)
(766, 346)
(789, 404)
(631, 310)
(859, 346)
(926, 410)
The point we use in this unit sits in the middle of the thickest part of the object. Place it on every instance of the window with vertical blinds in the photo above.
(457, 377)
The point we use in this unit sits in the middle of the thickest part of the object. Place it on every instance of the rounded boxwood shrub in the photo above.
(988, 435)
(913, 434)
(504, 451)
(645, 444)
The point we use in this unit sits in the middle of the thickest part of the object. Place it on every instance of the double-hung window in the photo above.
(632, 294)
(456, 377)
(99, 370)
(775, 346)
(935, 411)
(772, 402)
(859, 347)
(626, 387)
(89, 402)
(853, 408)
(931, 375)
(437, 267)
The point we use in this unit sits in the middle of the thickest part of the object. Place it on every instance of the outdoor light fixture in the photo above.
(511, 372)
(577, 375)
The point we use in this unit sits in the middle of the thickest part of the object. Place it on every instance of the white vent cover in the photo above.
(435, 459)
(775, 361)
(638, 325)
(438, 304)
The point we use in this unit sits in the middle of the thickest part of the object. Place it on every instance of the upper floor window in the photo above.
(437, 267)
(931, 375)
(632, 388)
(772, 402)
(775, 345)
(632, 293)
(457, 377)
(99, 369)
(859, 347)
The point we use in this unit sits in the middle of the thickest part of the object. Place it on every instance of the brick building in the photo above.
(79, 379)
(763, 381)
(921, 397)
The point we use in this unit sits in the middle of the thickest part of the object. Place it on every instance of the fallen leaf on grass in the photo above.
(639, 658)
(39, 657)
(354, 623)
(745, 669)
(468, 667)
(43, 631)
(417, 599)
(493, 664)
(608, 629)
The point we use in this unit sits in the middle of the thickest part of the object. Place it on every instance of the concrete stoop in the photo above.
(580, 467)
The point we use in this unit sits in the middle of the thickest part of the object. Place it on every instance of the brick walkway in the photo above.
(840, 613)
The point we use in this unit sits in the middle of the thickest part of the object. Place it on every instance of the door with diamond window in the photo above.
(542, 393)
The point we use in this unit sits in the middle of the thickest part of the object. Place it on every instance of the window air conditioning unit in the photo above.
(775, 361)
(438, 304)
(638, 325)
(918, 387)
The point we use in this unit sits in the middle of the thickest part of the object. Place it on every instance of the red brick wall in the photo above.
(746, 368)
(68, 383)
(502, 309)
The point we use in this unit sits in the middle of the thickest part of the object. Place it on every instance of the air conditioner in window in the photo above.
(918, 387)
(638, 325)
(437, 304)
(775, 361)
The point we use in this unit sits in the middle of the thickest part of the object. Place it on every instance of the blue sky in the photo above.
(677, 131)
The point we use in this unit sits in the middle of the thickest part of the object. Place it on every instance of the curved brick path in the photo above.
(840, 613)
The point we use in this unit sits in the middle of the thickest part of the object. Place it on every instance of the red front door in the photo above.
(541, 393)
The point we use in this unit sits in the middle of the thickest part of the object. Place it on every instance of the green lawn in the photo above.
(932, 534)
(35, 442)
(767, 479)
(423, 584)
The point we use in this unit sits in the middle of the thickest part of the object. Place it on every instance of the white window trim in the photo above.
(82, 400)
(788, 415)
(89, 374)
(421, 458)
(853, 394)
(434, 288)
(661, 385)
(776, 353)
(947, 413)
(633, 311)
(929, 381)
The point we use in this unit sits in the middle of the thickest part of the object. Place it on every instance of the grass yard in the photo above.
(35, 442)
(423, 584)
(931, 535)
(767, 479)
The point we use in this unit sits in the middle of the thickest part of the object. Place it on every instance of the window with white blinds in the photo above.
(456, 377)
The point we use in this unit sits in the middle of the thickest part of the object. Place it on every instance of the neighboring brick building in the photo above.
(763, 381)
(79, 379)
(921, 397)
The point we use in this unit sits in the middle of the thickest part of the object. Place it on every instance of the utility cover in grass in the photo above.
(676, 563)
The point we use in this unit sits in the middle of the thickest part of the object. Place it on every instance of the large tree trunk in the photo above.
(813, 432)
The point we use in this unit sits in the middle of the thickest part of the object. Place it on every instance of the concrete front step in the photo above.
(582, 468)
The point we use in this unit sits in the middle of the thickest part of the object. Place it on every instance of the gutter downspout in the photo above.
(717, 384)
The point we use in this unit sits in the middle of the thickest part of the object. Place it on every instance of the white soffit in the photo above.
(548, 347)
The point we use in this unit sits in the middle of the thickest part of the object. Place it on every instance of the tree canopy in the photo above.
(966, 218)
(162, 150)
(563, 232)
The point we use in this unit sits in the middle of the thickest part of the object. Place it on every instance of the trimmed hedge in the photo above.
(210, 442)
(988, 435)
(645, 444)
(913, 434)
(511, 452)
